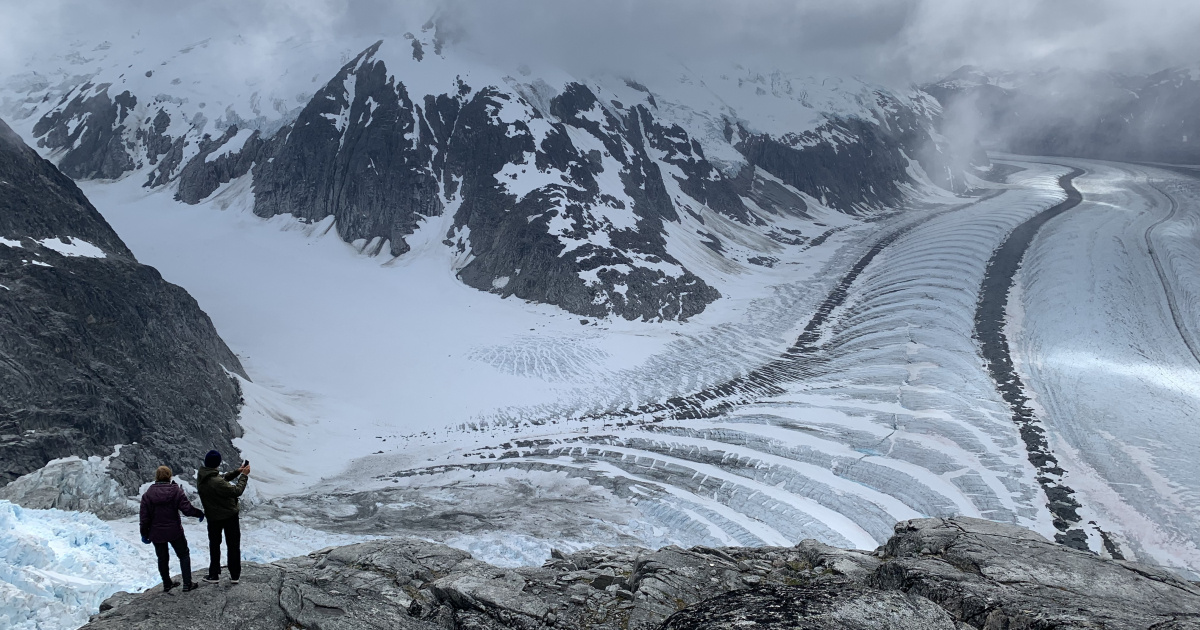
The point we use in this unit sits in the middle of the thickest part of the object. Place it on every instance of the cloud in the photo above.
(891, 41)
(1141, 36)
(894, 41)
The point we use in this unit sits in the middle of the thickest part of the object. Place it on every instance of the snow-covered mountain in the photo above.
(598, 194)
(1074, 113)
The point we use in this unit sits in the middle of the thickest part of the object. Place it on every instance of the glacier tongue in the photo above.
(1106, 316)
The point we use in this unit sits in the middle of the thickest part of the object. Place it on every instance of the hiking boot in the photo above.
(212, 580)
(191, 586)
(167, 586)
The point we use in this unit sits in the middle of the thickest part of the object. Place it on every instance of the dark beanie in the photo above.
(212, 459)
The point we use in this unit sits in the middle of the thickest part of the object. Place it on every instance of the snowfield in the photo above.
(353, 355)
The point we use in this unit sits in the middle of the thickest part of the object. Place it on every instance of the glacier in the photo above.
(895, 416)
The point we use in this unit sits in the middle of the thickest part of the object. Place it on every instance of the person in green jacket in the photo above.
(220, 500)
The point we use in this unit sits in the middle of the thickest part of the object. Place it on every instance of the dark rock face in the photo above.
(566, 231)
(97, 349)
(90, 126)
(354, 153)
(934, 574)
(216, 164)
(363, 152)
(1095, 115)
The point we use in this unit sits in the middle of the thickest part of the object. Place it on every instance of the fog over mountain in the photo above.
(890, 41)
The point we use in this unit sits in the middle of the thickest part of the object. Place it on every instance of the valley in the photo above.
(529, 305)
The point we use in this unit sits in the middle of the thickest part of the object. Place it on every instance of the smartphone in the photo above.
(245, 463)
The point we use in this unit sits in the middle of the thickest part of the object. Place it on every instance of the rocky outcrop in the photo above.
(360, 152)
(947, 574)
(89, 126)
(866, 174)
(219, 161)
(97, 350)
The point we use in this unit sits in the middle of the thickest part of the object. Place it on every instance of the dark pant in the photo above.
(181, 551)
(233, 547)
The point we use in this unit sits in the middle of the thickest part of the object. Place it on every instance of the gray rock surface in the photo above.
(827, 606)
(94, 150)
(97, 350)
(933, 574)
(992, 575)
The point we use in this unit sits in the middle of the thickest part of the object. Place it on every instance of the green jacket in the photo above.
(219, 497)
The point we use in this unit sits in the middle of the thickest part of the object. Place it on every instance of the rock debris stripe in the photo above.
(989, 332)
(1176, 316)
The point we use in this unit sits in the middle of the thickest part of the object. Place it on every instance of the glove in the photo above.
(201, 519)
(145, 540)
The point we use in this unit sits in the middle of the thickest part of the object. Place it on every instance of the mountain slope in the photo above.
(97, 350)
(595, 194)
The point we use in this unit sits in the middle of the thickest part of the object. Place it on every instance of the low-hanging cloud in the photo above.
(890, 41)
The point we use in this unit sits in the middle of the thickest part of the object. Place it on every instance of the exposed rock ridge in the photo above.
(948, 574)
(97, 350)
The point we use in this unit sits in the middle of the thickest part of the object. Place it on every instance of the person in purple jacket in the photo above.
(160, 524)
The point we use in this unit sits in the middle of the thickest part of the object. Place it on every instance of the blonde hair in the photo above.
(162, 474)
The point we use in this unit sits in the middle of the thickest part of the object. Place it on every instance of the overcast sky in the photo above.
(890, 41)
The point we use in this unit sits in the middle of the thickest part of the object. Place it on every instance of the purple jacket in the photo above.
(161, 506)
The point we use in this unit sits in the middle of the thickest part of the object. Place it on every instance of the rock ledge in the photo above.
(933, 573)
